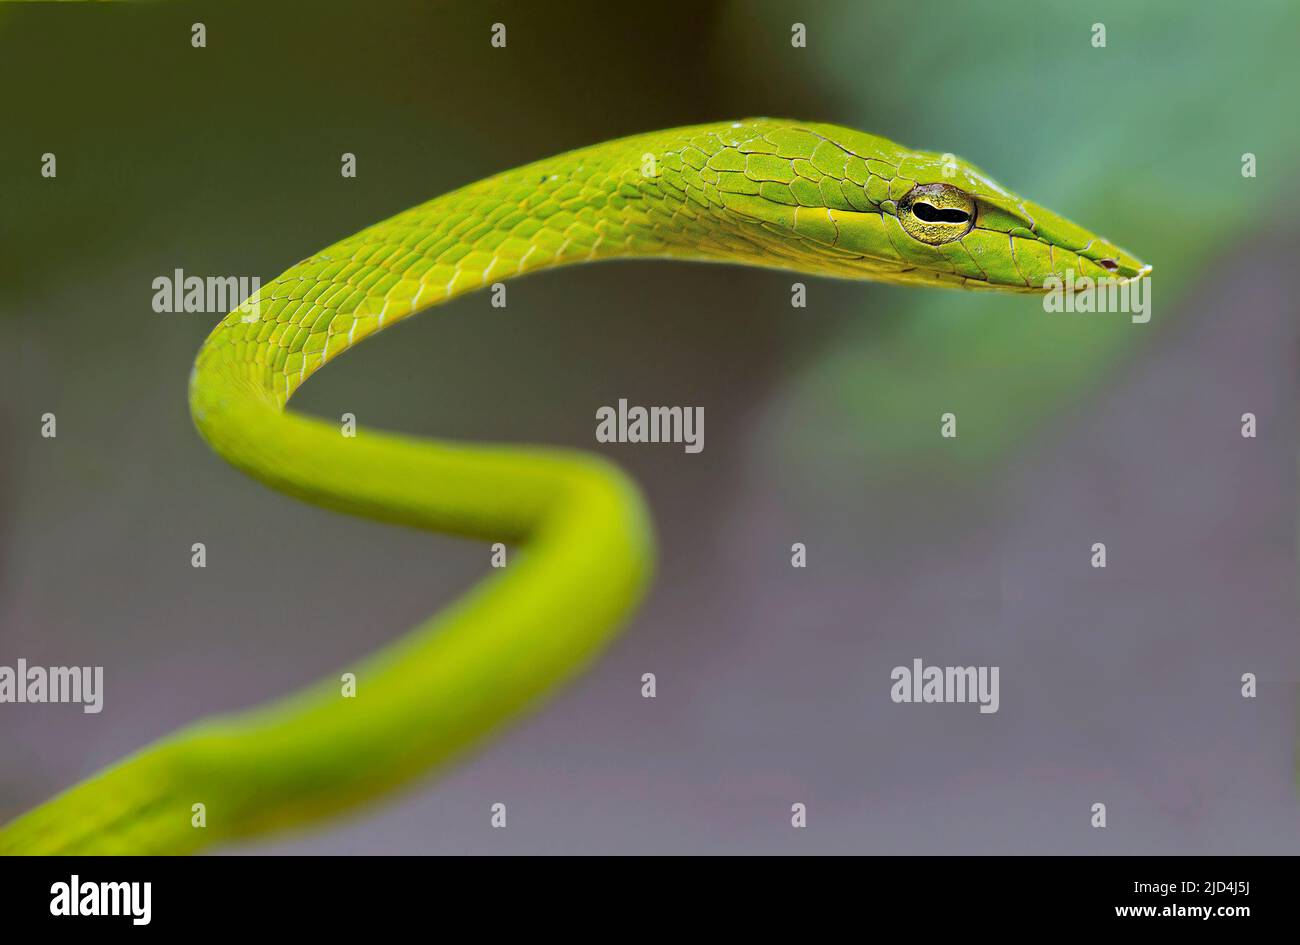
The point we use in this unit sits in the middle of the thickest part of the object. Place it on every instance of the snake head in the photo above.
(1015, 244)
(870, 208)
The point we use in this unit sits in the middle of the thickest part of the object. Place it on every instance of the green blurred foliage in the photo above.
(1141, 141)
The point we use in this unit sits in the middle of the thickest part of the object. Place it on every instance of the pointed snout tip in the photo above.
(1133, 271)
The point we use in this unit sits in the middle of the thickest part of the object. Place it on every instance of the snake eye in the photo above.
(936, 213)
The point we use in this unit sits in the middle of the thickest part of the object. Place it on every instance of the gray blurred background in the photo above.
(1119, 686)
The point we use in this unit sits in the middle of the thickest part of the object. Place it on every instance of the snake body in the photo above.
(808, 197)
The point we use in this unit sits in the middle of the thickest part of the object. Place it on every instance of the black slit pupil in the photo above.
(928, 214)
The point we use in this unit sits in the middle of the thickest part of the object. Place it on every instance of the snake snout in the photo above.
(1110, 261)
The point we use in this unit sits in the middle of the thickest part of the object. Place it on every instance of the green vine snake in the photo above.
(812, 198)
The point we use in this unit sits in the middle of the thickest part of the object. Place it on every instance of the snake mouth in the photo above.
(1117, 266)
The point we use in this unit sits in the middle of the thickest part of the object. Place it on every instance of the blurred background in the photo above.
(1119, 686)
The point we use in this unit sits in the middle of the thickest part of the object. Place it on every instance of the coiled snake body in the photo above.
(808, 197)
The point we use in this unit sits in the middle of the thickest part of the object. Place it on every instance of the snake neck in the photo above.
(677, 193)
